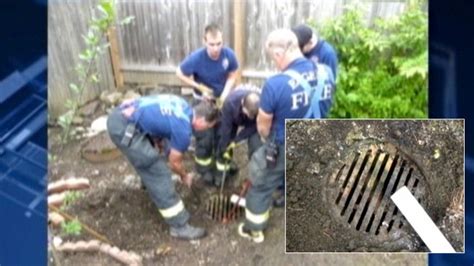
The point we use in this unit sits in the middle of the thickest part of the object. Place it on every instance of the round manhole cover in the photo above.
(360, 188)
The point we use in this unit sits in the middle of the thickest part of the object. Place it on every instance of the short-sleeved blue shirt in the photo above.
(212, 73)
(324, 53)
(167, 117)
(284, 97)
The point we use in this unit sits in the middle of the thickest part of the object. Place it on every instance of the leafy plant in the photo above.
(70, 197)
(96, 44)
(73, 227)
(383, 67)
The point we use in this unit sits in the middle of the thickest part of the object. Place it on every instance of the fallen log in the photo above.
(68, 184)
(123, 256)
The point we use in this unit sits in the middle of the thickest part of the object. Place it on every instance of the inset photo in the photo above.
(375, 186)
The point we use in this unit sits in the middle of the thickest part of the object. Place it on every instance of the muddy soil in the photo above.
(316, 149)
(118, 208)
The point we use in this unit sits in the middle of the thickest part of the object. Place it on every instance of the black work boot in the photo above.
(187, 232)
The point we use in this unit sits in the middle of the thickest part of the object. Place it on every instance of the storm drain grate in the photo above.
(221, 209)
(364, 184)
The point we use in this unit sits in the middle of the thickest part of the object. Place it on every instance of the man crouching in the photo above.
(153, 132)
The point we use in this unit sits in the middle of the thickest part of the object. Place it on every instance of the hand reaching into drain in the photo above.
(187, 179)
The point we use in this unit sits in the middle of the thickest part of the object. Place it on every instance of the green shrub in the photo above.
(70, 198)
(73, 227)
(382, 67)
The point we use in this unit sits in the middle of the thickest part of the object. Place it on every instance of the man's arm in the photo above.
(226, 128)
(186, 79)
(190, 81)
(229, 84)
(175, 162)
(246, 132)
(264, 123)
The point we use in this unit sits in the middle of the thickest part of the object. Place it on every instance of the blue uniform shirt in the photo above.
(212, 73)
(283, 97)
(232, 117)
(166, 117)
(324, 53)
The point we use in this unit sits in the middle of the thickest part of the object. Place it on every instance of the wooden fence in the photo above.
(165, 31)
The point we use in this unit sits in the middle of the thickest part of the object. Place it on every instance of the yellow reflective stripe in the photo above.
(222, 166)
(203, 162)
(257, 218)
(231, 146)
(173, 210)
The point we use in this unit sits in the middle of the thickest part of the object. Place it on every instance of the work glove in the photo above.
(206, 91)
(229, 151)
(219, 103)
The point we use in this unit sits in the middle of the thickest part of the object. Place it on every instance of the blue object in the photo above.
(324, 53)
(23, 165)
(283, 97)
(451, 94)
(212, 73)
(232, 117)
(165, 116)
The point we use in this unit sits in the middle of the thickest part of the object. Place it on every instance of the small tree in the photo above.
(103, 18)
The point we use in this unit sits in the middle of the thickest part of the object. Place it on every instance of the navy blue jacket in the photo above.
(231, 118)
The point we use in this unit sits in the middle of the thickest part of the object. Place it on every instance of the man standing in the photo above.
(153, 133)
(239, 110)
(210, 70)
(284, 95)
(319, 51)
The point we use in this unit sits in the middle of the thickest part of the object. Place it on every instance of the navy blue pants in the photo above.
(152, 168)
(264, 182)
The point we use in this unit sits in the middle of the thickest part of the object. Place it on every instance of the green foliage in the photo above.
(103, 17)
(73, 227)
(382, 67)
(71, 197)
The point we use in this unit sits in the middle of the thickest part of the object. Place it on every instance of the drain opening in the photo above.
(364, 185)
(221, 209)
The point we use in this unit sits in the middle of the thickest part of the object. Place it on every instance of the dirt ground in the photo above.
(316, 148)
(117, 207)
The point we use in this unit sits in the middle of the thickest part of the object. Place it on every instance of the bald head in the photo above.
(282, 46)
(251, 103)
(283, 39)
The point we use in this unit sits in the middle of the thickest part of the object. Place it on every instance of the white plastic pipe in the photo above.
(234, 198)
(421, 221)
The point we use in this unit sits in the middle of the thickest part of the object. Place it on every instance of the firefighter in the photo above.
(322, 52)
(153, 133)
(211, 71)
(239, 110)
(293, 93)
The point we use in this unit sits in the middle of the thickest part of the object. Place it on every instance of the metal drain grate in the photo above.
(364, 184)
(221, 209)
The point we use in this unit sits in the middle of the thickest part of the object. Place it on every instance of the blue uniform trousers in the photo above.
(151, 167)
(264, 182)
